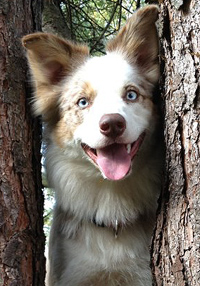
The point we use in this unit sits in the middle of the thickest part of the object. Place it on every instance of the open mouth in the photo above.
(114, 160)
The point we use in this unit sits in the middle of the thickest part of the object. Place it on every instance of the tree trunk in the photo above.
(53, 20)
(21, 202)
(176, 245)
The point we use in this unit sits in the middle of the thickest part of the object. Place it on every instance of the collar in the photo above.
(116, 226)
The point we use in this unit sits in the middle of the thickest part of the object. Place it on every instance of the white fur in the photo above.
(108, 75)
(101, 228)
(79, 249)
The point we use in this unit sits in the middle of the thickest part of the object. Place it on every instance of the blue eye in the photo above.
(83, 102)
(131, 95)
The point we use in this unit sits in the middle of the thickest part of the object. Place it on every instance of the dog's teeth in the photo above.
(128, 147)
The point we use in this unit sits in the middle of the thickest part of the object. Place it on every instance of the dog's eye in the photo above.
(131, 95)
(83, 102)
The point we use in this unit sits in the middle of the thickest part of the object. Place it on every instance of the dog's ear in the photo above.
(51, 59)
(138, 41)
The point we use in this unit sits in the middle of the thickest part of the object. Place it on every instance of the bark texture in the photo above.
(21, 201)
(176, 245)
(53, 20)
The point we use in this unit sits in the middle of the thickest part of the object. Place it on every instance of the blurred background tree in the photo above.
(88, 21)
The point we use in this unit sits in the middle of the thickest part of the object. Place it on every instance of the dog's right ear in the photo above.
(138, 42)
(51, 59)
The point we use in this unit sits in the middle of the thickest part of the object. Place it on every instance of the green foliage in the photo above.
(95, 21)
(48, 209)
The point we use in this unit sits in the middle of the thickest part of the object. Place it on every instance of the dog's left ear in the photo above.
(138, 42)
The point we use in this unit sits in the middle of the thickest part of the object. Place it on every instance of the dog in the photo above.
(104, 155)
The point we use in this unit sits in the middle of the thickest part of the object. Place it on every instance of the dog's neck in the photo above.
(115, 226)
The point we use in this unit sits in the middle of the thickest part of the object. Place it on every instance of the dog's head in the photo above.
(104, 103)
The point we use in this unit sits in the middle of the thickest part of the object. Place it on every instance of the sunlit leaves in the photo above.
(95, 21)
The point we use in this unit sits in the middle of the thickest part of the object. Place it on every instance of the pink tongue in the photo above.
(114, 161)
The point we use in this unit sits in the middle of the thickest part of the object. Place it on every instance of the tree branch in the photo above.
(106, 27)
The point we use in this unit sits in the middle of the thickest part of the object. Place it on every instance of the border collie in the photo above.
(104, 154)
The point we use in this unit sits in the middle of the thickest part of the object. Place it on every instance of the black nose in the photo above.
(112, 125)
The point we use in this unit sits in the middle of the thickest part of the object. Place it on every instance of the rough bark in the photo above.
(176, 245)
(21, 201)
(53, 20)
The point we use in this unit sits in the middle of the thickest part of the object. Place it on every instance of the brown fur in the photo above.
(70, 114)
(51, 59)
(139, 38)
(81, 251)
